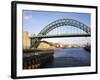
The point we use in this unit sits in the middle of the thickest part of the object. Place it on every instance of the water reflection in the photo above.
(70, 57)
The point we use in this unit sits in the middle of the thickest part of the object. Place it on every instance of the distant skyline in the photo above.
(35, 21)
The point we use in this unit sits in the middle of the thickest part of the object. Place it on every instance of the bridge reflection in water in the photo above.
(68, 57)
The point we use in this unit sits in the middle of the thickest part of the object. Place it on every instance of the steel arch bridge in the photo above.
(35, 41)
(48, 43)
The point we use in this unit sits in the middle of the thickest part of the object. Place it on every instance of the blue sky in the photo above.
(35, 21)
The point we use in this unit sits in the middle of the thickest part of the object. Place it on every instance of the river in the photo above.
(70, 57)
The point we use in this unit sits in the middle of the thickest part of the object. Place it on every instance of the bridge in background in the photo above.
(85, 31)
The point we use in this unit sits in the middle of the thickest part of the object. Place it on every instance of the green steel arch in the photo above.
(60, 23)
(64, 22)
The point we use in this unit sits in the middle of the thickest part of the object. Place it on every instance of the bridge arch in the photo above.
(59, 23)
(65, 22)
(49, 43)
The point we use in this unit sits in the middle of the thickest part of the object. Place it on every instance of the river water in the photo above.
(70, 57)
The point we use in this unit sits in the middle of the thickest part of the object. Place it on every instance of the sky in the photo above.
(35, 21)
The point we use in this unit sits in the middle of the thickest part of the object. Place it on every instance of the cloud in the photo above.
(27, 17)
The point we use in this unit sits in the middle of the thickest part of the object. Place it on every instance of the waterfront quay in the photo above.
(36, 58)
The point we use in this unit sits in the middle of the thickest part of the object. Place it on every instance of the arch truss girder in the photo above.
(65, 22)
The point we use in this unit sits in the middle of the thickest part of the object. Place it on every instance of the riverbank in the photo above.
(88, 48)
(37, 50)
(61, 57)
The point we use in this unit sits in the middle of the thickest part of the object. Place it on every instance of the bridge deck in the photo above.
(62, 35)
